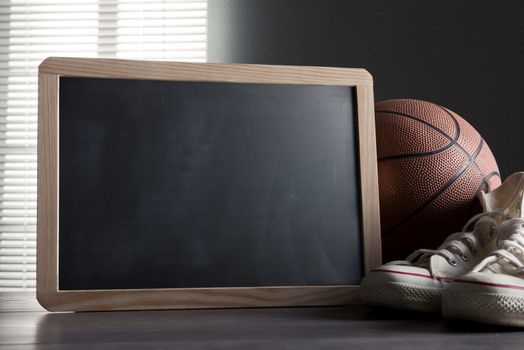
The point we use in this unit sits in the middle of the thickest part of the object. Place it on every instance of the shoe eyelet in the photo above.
(452, 262)
(464, 258)
(474, 252)
(491, 231)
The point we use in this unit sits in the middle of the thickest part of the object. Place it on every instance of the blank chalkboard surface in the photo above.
(233, 187)
(189, 184)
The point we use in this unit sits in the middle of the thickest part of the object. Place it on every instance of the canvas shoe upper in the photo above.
(417, 282)
(493, 291)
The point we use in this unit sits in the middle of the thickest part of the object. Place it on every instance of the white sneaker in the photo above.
(418, 282)
(493, 292)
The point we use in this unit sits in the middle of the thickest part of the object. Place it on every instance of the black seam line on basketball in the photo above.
(484, 181)
(416, 155)
(476, 153)
(431, 199)
(455, 176)
(458, 145)
(471, 161)
(457, 128)
(453, 140)
(479, 148)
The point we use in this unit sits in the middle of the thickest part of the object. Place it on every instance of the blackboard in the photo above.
(192, 184)
(203, 184)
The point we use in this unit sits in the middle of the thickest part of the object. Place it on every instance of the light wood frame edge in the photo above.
(371, 238)
(52, 299)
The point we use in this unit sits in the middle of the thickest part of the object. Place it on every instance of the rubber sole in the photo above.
(401, 295)
(477, 303)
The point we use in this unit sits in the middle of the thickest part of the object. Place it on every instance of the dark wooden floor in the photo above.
(24, 325)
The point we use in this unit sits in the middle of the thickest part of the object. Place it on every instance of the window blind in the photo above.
(31, 30)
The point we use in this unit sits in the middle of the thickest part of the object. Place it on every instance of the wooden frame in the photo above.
(54, 299)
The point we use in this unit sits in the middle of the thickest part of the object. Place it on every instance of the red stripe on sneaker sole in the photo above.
(491, 284)
(437, 278)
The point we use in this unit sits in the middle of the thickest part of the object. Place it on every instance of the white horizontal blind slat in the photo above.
(31, 30)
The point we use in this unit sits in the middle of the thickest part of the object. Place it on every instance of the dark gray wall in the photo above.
(466, 55)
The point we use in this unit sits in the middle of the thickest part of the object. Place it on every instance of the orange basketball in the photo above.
(432, 164)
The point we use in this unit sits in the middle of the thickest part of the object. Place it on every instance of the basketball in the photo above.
(432, 164)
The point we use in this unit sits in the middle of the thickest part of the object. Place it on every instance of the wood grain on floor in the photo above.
(25, 325)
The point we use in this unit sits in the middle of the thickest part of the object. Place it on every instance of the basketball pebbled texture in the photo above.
(432, 164)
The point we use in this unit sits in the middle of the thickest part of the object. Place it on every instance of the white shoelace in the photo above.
(510, 248)
(463, 243)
